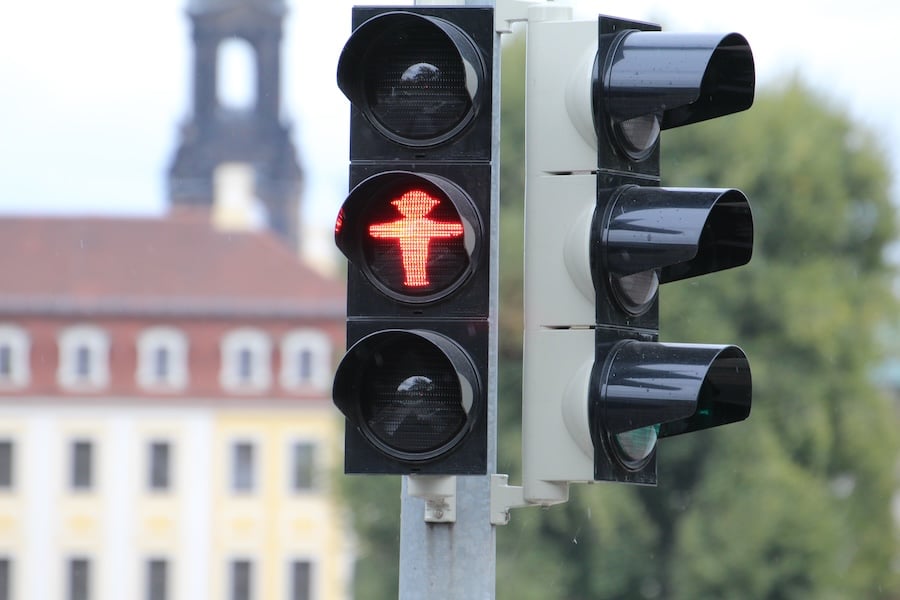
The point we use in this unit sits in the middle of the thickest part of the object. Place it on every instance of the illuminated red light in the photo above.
(339, 223)
(414, 232)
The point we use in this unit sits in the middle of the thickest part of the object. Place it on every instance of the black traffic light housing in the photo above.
(415, 229)
(645, 81)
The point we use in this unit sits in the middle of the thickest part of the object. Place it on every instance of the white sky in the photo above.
(92, 92)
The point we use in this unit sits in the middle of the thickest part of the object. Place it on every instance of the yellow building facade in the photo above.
(167, 437)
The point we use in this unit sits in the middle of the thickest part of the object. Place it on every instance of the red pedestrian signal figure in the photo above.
(414, 231)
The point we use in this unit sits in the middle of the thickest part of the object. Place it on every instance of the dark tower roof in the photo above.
(205, 6)
(257, 136)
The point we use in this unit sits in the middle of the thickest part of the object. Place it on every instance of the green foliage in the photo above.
(794, 502)
(375, 506)
(814, 465)
(512, 199)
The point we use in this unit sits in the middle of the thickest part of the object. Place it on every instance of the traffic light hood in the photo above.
(684, 231)
(685, 78)
(679, 387)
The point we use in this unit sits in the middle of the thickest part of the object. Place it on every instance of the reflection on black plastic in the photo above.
(684, 232)
(687, 77)
(682, 387)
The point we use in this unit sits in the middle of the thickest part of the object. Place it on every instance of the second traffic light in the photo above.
(601, 236)
(415, 230)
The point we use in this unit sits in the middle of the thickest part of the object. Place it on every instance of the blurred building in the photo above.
(166, 429)
(165, 423)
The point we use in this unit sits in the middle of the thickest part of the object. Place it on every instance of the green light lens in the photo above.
(636, 445)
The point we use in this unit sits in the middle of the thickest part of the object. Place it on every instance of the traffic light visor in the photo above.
(653, 80)
(409, 392)
(685, 232)
(678, 387)
(646, 390)
(415, 236)
(416, 78)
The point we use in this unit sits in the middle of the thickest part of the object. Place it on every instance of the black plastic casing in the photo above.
(462, 315)
(636, 381)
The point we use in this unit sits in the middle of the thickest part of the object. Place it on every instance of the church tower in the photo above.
(249, 137)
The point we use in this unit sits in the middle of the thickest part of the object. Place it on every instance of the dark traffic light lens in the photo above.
(638, 136)
(410, 393)
(413, 400)
(417, 79)
(416, 83)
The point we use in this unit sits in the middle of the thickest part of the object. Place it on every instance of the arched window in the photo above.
(83, 357)
(162, 358)
(14, 353)
(306, 360)
(237, 74)
(246, 361)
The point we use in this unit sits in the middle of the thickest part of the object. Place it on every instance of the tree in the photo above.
(815, 462)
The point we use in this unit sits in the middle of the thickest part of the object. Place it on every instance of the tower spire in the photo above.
(217, 135)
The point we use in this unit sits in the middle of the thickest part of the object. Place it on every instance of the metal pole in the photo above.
(457, 561)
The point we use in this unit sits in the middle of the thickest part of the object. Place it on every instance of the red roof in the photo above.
(178, 265)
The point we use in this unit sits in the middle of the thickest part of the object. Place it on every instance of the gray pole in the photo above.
(457, 561)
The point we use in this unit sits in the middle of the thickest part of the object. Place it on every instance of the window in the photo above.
(242, 467)
(5, 578)
(162, 359)
(245, 366)
(246, 361)
(303, 466)
(161, 363)
(301, 580)
(83, 357)
(236, 74)
(82, 362)
(306, 360)
(157, 579)
(14, 351)
(305, 364)
(237, 206)
(79, 579)
(241, 580)
(158, 466)
(82, 465)
(6, 464)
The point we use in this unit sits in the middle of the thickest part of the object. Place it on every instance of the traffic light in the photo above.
(599, 389)
(415, 229)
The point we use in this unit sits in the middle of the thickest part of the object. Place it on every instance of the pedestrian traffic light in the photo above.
(415, 229)
(599, 388)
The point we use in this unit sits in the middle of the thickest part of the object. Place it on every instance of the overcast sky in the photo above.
(91, 92)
